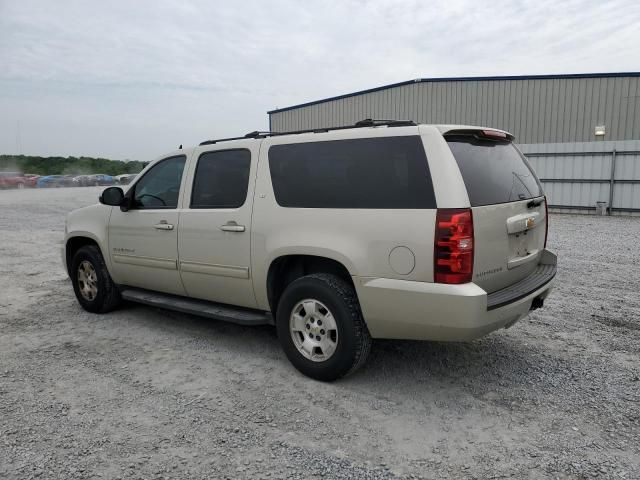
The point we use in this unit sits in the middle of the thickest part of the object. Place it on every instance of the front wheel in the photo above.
(92, 283)
(321, 328)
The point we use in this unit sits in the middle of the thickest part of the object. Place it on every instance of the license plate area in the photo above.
(523, 238)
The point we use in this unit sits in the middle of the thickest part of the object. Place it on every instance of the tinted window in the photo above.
(221, 179)
(160, 186)
(383, 172)
(493, 171)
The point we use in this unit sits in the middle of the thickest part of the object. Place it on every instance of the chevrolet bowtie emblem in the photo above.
(530, 222)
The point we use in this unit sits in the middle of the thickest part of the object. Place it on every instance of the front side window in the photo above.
(160, 186)
(380, 172)
(221, 179)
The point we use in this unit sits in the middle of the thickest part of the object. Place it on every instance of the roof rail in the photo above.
(368, 122)
(257, 134)
(254, 134)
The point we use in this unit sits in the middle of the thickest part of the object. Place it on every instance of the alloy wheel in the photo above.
(313, 330)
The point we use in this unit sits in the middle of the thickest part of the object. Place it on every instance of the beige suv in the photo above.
(386, 229)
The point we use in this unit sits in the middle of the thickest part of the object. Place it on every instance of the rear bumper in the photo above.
(404, 309)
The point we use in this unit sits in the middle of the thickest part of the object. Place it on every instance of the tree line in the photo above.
(68, 165)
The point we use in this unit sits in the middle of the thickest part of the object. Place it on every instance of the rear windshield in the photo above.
(380, 172)
(493, 171)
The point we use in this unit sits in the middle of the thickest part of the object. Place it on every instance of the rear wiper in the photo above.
(535, 203)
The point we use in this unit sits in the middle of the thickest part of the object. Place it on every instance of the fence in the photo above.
(576, 176)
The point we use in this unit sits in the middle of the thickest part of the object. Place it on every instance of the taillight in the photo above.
(453, 249)
(546, 221)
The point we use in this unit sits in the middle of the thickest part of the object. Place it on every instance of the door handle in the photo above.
(163, 225)
(232, 227)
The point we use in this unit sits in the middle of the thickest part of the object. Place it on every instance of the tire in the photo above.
(106, 296)
(350, 348)
(20, 186)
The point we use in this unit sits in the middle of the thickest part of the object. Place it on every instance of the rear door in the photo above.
(215, 225)
(509, 215)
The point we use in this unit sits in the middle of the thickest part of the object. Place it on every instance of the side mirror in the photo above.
(113, 196)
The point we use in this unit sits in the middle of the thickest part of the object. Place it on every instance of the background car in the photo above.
(68, 182)
(81, 180)
(100, 179)
(125, 179)
(55, 181)
(31, 180)
(12, 180)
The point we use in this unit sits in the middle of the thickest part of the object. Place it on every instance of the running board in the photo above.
(202, 308)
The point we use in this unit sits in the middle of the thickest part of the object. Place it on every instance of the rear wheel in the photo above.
(92, 283)
(320, 327)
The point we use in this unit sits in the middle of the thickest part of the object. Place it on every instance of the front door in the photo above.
(143, 241)
(215, 223)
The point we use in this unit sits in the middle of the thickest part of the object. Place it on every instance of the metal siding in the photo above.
(627, 167)
(625, 107)
(633, 99)
(601, 89)
(570, 121)
(615, 103)
(546, 119)
(484, 104)
(518, 119)
(634, 102)
(508, 104)
(434, 101)
(582, 123)
(462, 110)
(592, 107)
(626, 196)
(493, 103)
(535, 110)
(578, 161)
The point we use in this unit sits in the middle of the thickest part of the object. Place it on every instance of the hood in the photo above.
(95, 209)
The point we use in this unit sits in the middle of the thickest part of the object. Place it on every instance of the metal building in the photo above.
(575, 128)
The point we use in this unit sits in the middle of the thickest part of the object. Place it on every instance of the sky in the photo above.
(134, 79)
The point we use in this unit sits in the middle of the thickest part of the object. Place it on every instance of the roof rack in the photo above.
(368, 122)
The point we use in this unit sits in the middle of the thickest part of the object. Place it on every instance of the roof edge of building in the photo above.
(459, 79)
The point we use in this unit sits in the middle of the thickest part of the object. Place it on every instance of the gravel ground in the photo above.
(145, 393)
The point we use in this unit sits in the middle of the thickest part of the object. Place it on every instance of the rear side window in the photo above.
(221, 179)
(382, 172)
(493, 171)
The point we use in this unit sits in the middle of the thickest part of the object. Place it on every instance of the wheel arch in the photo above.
(74, 243)
(286, 268)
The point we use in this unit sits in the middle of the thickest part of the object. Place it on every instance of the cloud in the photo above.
(132, 79)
